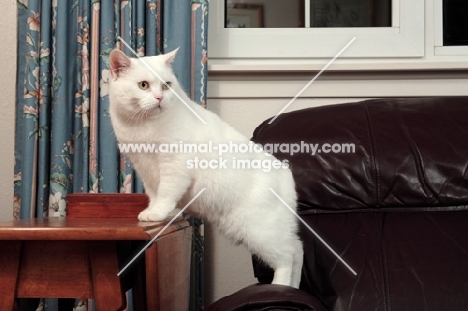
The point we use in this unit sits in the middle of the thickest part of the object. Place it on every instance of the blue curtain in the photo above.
(64, 140)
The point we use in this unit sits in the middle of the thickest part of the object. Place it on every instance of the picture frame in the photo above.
(243, 15)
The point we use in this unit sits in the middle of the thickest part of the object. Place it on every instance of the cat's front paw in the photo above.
(152, 215)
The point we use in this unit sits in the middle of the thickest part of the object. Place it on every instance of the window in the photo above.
(451, 27)
(455, 22)
(322, 38)
(307, 13)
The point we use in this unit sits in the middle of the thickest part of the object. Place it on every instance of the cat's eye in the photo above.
(144, 85)
(166, 85)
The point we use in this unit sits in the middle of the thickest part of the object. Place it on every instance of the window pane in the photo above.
(350, 13)
(455, 22)
(264, 13)
(323, 13)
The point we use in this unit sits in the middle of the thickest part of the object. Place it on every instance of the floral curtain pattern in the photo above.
(64, 139)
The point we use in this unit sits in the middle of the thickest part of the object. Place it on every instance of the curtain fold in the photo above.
(64, 140)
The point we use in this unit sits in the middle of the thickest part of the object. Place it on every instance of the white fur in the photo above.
(237, 202)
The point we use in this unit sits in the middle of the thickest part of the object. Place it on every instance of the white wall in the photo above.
(7, 105)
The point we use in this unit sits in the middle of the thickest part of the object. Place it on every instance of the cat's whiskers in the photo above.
(145, 113)
(142, 115)
(134, 113)
(137, 113)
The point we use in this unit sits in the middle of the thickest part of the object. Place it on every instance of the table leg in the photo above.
(152, 279)
(9, 264)
(108, 293)
(139, 288)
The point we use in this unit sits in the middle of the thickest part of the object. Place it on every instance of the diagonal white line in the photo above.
(312, 81)
(159, 77)
(313, 231)
(160, 232)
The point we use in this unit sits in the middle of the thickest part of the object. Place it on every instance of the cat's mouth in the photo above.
(152, 107)
(156, 107)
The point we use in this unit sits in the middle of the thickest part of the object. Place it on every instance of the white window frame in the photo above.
(233, 46)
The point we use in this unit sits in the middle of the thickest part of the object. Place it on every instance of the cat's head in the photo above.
(136, 90)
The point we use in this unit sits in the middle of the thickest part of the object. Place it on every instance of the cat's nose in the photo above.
(158, 97)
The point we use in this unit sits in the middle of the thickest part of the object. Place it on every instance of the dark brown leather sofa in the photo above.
(395, 210)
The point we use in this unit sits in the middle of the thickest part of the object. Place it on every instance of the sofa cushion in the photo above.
(409, 153)
(266, 297)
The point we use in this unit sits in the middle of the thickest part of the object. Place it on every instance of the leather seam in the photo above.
(375, 162)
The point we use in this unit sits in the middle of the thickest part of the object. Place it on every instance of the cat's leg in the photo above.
(174, 181)
(297, 264)
(283, 270)
(163, 206)
(289, 267)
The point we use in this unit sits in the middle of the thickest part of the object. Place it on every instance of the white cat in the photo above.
(236, 201)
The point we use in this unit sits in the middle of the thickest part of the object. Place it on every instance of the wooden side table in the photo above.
(70, 257)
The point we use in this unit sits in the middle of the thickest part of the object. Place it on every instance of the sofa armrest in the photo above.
(273, 297)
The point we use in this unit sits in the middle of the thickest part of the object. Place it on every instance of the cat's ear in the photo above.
(169, 57)
(118, 63)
